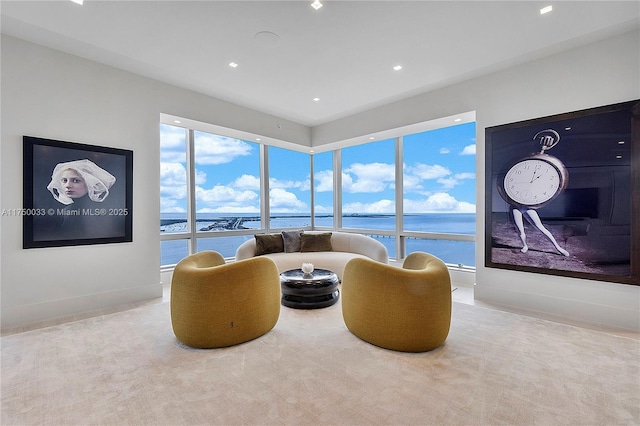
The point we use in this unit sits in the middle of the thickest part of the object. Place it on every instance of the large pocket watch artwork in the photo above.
(533, 182)
(562, 194)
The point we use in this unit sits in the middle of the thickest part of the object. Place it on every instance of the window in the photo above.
(173, 179)
(323, 189)
(461, 253)
(174, 220)
(225, 245)
(368, 186)
(227, 181)
(227, 190)
(289, 189)
(225, 193)
(211, 189)
(172, 251)
(439, 191)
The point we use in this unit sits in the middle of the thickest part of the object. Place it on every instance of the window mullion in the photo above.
(312, 194)
(264, 188)
(400, 246)
(191, 190)
(337, 189)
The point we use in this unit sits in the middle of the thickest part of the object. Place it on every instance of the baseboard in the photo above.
(165, 276)
(597, 316)
(463, 277)
(38, 314)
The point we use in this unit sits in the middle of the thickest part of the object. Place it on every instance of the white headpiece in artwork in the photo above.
(97, 179)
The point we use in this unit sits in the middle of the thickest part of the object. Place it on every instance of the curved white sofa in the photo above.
(345, 246)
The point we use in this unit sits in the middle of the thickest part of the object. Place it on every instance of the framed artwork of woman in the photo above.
(75, 194)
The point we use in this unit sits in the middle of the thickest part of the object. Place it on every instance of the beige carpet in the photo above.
(495, 368)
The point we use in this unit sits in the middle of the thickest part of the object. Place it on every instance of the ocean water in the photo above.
(453, 252)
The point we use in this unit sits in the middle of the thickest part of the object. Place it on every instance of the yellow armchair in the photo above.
(214, 304)
(404, 309)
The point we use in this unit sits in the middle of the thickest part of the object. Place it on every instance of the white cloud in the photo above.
(323, 209)
(214, 149)
(305, 185)
(247, 182)
(448, 183)
(173, 157)
(168, 205)
(427, 171)
(467, 175)
(380, 206)
(445, 150)
(173, 193)
(172, 174)
(172, 138)
(282, 201)
(415, 175)
(201, 177)
(232, 199)
(412, 183)
(469, 150)
(323, 180)
(302, 185)
(230, 208)
(440, 202)
(173, 185)
(372, 177)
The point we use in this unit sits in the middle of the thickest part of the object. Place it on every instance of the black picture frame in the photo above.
(98, 211)
(595, 219)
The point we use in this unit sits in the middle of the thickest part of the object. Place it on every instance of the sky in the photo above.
(438, 174)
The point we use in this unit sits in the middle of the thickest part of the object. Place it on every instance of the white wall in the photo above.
(50, 94)
(602, 73)
(53, 95)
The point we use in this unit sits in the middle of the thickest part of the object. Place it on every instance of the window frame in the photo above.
(398, 233)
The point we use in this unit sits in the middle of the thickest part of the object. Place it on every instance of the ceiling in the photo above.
(288, 53)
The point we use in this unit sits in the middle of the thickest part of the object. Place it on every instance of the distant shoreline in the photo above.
(236, 222)
(436, 221)
(452, 251)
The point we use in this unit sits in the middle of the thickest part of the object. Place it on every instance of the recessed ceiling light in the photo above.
(457, 120)
(620, 142)
(618, 157)
(177, 121)
(397, 68)
(316, 99)
(233, 65)
(316, 4)
(546, 9)
(78, 2)
(258, 139)
(567, 128)
(311, 151)
(371, 138)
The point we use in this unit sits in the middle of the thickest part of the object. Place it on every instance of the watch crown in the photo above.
(546, 139)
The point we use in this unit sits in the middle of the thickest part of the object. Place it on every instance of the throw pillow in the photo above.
(316, 242)
(291, 240)
(269, 243)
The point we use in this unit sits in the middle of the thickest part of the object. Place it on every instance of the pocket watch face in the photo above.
(533, 182)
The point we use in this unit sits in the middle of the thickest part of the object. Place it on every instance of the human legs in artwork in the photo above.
(517, 217)
(535, 219)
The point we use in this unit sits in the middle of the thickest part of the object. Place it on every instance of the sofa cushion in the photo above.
(269, 243)
(344, 246)
(315, 242)
(291, 240)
